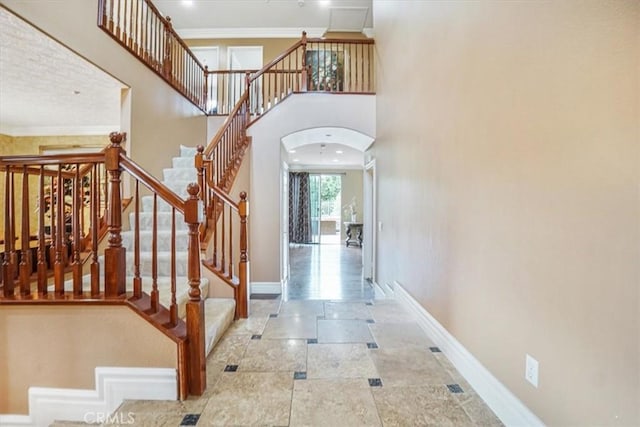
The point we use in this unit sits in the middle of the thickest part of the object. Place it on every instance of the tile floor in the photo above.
(327, 354)
(324, 363)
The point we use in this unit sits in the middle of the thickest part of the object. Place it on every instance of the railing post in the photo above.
(199, 165)
(205, 97)
(305, 76)
(167, 66)
(196, 358)
(114, 255)
(242, 301)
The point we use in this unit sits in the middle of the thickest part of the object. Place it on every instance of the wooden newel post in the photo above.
(242, 300)
(305, 76)
(114, 254)
(197, 363)
(199, 165)
(167, 66)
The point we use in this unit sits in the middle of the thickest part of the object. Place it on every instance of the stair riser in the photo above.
(163, 218)
(164, 241)
(163, 264)
(182, 162)
(180, 174)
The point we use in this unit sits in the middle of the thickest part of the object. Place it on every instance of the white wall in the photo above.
(296, 113)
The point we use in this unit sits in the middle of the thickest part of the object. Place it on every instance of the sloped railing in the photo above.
(104, 277)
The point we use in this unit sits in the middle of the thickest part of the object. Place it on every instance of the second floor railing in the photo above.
(310, 65)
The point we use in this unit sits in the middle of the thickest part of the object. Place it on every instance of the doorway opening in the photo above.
(325, 192)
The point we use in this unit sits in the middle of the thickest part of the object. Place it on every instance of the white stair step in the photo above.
(178, 186)
(182, 162)
(218, 316)
(187, 151)
(163, 264)
(147, 205)
(164, 240)
(181, 174)
(163, 218)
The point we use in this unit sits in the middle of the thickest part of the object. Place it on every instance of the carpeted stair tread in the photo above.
(218, 316)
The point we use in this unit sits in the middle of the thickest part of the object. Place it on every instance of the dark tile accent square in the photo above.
(312, 341)
(299, 375)
(375, 382)
(320, 317)
(256, 337)
(435, 349)
(371, 321)
(190, 420)
(368, 303)
(455, 388)
(231, 368)
(273, 316)
(372, 345)
(265, 296)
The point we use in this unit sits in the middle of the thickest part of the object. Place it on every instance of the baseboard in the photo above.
(266, 288)
(113, 386)
(379, 291)
(510, 410)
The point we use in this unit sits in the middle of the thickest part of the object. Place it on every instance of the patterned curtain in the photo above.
(299, 208)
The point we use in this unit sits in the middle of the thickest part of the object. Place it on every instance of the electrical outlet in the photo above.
(531, 370)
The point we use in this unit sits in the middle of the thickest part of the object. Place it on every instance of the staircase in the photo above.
(219, 312)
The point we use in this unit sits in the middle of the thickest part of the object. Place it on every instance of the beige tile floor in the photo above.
(321, 363)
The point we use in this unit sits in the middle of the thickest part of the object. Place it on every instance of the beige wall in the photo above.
(271, 48)
(351, 187)
(50, 347)
(160, 119)
(508, 158)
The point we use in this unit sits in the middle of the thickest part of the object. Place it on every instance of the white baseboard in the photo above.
(510, 410)
(113, 386)
(266, 288)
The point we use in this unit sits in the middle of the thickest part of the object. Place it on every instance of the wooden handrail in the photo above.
(279, 58)
(226, 124)
(152, 183)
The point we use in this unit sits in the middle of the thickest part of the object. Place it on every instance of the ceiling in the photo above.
(46, 89)
(265, 18)
(326, 148)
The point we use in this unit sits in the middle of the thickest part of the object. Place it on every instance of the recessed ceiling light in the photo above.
(325, 2)
(292, 151)
(187, 2)
(335, 160)
(338, 151)
(296, 160)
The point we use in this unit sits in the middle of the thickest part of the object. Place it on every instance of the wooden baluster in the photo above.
(195, 305)
(136, 29)
(42, 266)
(167, 65)
(205, 92)
(199, 165)
(173, 309)
(61, 233)
(95, 207)
(222, 246)
(230, 274)
(25, 251)
(155, 295)
(242, 302)
(77, 263)
(8, 272)
(214, 203)
(304, 84)
(114, 254)
(137, 280)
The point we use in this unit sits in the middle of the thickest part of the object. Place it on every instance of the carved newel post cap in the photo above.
(200, 149)
(243, 195)
(193, 189)
(116, 138)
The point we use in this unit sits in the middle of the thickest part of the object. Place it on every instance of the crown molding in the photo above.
(57, 130)
(255, 33)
